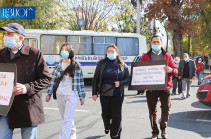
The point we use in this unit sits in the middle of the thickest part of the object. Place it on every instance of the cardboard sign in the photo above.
(148, 75)
(8, 79)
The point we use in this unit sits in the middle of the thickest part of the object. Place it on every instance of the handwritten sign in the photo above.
(8, 79)
(6, 87)
(148, 75)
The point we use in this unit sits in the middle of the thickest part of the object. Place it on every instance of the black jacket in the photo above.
(97, 80)
(192, 68)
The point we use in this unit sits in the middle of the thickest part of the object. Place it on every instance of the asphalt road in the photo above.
(189, 119)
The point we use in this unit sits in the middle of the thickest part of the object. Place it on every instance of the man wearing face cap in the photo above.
(32, 76)
(158, 53)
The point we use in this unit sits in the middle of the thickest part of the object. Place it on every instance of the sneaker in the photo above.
(73, 136)
(183, 97)
(154, 137)
(164, 134)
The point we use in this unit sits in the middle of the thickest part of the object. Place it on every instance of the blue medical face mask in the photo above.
(186, 59)
(176, 62)
(65, 54)
(156, 48)
(199, 61)
(9, 42)
(111, 56)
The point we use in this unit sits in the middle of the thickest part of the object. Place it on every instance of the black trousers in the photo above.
(112, 114)
(177, 82)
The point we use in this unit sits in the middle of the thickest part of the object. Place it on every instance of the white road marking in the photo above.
(197, 120)
(47, 108)
(201, 120)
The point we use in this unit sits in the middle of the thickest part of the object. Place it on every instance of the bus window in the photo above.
(101, 43)
(128, 46)
(31, 42)
(51, 44)
(81, 44)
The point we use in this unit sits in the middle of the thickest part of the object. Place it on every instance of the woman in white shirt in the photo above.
(68, 83)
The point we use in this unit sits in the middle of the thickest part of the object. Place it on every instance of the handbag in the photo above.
(56, 85)
(107, 89)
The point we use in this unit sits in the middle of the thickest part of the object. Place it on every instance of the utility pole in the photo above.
(154, 26)
(138, 17)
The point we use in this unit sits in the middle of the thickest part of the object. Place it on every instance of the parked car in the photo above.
(204, 91)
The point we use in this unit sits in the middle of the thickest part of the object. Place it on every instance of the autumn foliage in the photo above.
(182, 16)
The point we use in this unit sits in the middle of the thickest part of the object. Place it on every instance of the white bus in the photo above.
(89, 46)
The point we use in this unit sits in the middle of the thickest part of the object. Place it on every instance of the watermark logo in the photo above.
(17, 12)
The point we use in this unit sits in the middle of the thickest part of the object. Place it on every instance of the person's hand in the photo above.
(19, 89)
(94, 97)
(168, 69)
(82, 102)
(116, 83)
(47, 98)
(179, 77)
(194, 77)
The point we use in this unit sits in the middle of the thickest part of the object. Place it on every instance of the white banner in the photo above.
(148, 75)
(6, 87)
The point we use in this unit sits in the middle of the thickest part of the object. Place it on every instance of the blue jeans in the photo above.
(7, 133)
(199, 76)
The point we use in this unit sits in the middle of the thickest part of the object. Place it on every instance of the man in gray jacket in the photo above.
(187, 71)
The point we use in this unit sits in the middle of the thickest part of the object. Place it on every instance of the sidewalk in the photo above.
(207, 72)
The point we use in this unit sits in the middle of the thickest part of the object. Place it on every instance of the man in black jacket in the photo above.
(187, 71)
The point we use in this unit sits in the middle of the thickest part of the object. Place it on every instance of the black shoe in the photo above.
(140, 92)
(188, 96)
(183, 97)
(106, 131)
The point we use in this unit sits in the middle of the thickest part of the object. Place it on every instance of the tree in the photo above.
(182, 16)
(200, 44)
(124, 20)
(124, 17)
(202, 41)
(93, 12)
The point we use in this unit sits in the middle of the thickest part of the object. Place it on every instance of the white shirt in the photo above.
(65, 85)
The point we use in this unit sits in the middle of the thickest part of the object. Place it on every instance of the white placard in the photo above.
(6, 87)
(148, 75)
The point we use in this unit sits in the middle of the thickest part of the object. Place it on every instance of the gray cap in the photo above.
(14, 27)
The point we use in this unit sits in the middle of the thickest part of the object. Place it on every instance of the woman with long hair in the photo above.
(67, 83)
(200, 66)
(110, 76)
